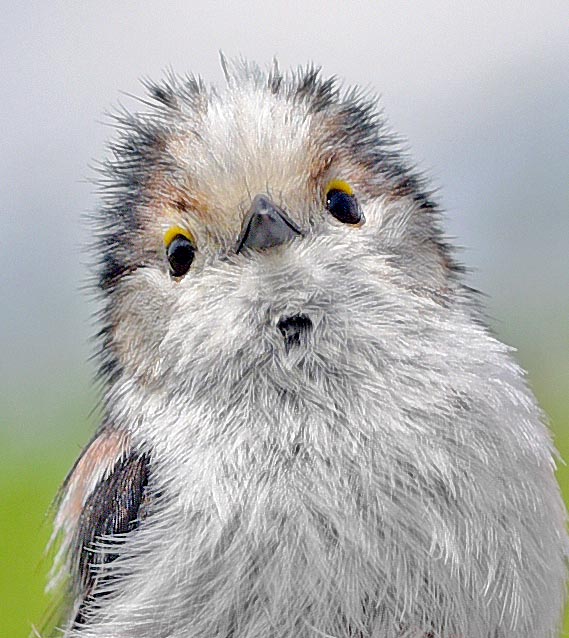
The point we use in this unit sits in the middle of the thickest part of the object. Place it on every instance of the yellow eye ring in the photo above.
(174, 232)
(340, 185)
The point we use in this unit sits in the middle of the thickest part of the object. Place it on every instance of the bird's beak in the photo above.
(266, 225)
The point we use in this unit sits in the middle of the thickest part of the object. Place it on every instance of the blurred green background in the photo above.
(479, 89)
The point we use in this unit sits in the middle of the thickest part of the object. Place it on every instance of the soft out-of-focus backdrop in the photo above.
(480, 90)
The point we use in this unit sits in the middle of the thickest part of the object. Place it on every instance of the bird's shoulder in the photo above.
(102, 500)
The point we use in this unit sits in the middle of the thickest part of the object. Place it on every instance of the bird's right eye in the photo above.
(180, 251)
(341, 202)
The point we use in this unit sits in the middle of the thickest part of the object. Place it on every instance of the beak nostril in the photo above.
(294, 329)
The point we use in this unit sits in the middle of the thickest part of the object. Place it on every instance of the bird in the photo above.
(308, 428)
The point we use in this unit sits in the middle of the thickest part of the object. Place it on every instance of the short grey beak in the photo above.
(266, 225)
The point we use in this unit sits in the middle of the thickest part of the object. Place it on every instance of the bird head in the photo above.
(271, 224)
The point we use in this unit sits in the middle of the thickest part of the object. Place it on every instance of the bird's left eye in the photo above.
(180, 251)
(341, 202)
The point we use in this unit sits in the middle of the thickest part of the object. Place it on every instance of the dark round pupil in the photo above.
(344, 207)
(180, 255)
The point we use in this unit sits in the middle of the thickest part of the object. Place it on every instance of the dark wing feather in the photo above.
(112, 508)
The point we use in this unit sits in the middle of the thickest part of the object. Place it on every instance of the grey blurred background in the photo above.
(479, 89)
